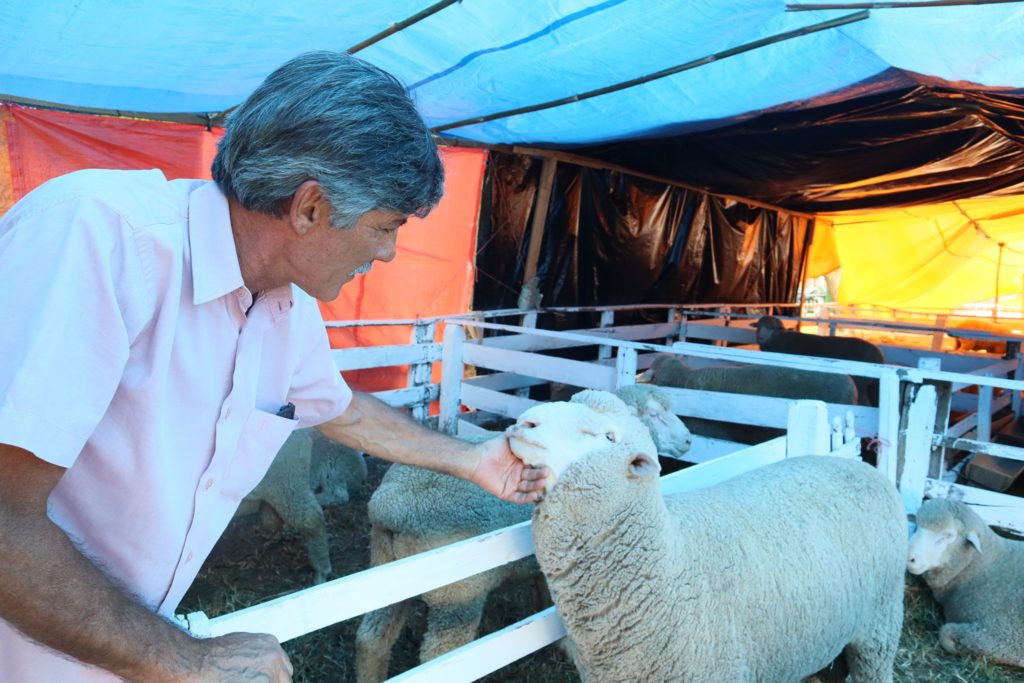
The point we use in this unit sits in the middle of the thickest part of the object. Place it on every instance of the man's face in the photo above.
(331, 257)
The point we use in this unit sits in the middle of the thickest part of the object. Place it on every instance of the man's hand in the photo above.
(241, 658)
(500, 472)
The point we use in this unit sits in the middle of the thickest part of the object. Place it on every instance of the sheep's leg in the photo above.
(450, 625)
(973, 640)
(871, 660)
(378, 631)
(302, 514)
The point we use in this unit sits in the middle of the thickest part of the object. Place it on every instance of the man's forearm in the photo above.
(51, 593)
(372, 426)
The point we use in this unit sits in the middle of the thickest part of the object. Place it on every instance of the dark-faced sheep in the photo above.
(976, 575)
(774, 337)
(767, 576)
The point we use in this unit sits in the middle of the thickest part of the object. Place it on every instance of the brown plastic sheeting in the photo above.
(611, 238)
(432, 275)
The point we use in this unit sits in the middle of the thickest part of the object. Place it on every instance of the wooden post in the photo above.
(607, 320)
(944, 404)
(807, 429)
(985, 411)
(540, 214)
(916, 445)
(939, 335)
(451, 378)
(420, 373)
(625, 367)
(672, 313)
(888, 422)
(1018, 373)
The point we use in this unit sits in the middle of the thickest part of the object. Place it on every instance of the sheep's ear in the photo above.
(643, 465)
(972, 538)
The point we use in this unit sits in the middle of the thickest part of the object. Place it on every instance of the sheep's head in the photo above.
(767, 327)
(944, 538)
(654, 408)
(559, 433)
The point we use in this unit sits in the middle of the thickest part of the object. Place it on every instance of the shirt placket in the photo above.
(239, 403)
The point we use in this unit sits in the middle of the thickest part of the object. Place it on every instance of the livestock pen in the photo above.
(505, 362)
(307, 610)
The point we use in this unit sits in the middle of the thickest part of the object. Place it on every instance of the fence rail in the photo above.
(907, 424)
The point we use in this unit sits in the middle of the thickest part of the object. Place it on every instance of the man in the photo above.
(158, 335)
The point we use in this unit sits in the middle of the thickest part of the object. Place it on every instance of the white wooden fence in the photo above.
(908, 425)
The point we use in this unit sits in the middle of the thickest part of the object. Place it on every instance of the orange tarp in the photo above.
(432, 275)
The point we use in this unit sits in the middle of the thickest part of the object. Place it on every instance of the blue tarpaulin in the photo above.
(480, 57)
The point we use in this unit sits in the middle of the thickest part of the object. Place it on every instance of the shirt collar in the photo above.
(215, 270)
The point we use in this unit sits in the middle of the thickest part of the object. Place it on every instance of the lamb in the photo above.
(767, 576)
(765, 380)
(415, 510)
(976, 575)
(309, 472)
(773, 337)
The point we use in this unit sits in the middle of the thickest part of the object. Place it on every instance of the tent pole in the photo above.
(892, 5)
(401, 25)
(746, 47)
(540, 214)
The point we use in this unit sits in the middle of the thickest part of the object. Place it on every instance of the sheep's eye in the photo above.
(652, 412)
(610, 436)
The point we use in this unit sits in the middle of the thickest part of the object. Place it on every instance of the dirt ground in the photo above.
(247, 568)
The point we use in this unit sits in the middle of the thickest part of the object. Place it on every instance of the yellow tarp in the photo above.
(932, 256)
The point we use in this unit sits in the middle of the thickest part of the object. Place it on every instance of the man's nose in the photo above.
(388, 250)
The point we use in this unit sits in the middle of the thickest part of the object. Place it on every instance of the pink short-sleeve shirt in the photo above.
(133, 359)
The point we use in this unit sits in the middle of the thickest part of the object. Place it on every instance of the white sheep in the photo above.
(767, 576)
(976, 575)
(762, 380)
(309, 472)
(415, 510)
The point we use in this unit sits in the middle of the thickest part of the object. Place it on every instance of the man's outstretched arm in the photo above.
(372, 426)
(54, 595)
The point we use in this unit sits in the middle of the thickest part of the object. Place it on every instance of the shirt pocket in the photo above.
(261, 439)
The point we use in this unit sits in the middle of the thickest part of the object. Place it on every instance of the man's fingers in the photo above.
(534, 473)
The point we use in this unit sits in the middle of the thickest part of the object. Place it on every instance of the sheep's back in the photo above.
(802, 344)
(779, 382)
(417, 500)
(763, 577)
(820, 541)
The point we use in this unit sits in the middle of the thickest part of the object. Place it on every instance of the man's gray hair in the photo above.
(334, 118)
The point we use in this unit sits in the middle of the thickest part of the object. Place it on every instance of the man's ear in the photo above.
(307, 207)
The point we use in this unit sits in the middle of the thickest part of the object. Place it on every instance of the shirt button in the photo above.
(209, 483)
(227, 413)
(188, 558)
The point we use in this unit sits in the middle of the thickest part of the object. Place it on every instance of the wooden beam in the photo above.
(540, 214)
(588, 162)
